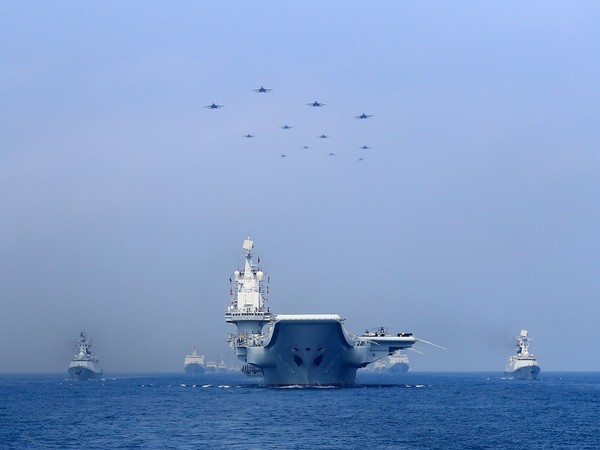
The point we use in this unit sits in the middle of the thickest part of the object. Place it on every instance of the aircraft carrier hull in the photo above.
(309, 352)
(83, 372)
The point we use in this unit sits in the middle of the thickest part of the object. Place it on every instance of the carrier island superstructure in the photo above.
(297, 349)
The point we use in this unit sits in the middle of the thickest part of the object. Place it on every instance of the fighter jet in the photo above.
(283, 155)
(360, 159)
(262, 90)
(286, 127)
(323, 136)
(365, 147)
(306, 147)
(249, 135)
(316, 104)
(363, 116)
(332, 154)
(213, 106)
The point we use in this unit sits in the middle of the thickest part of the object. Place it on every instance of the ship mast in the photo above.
(523, 345)
(84, 347)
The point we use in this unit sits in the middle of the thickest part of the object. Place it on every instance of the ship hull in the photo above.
(194, 369)
(398, 368)
(308, 352)
(81, 373)
(524, 373)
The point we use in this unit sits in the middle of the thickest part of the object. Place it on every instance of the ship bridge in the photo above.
(248, 294)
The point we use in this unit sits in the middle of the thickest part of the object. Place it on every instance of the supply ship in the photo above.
(522, 365)
(297, 349)
(395, 363)
(84, 366)
(194, 363)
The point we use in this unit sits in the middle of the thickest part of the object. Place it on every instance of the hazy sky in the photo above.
(124, 202)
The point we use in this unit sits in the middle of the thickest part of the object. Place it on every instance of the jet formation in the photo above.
(314, 104)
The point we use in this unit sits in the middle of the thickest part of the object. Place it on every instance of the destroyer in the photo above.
(297, 349)
(222, 367)
(84, 366)
(522, 365)
(194, 363)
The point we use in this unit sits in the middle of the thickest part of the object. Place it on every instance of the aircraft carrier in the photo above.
(297, 349)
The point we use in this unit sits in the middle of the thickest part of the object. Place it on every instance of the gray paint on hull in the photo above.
(194, 369)
(308, 353)
(524, 373)
(83, 373)
(399, 368)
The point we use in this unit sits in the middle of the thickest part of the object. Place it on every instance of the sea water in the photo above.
(229, 411)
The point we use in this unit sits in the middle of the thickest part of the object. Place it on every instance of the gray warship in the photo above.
(395, 363)
(523, 365)
(297, 349)
(84, 366)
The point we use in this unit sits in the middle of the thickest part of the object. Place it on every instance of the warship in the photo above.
(194, 363)
(211, 366)
(84, 366)
(222, 367)
(522, 365)
(297, 349)
(397, 362)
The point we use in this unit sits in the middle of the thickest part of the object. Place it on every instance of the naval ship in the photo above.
(222, 367)
(397, 362)
(522, 365)
(297, 349)
(194, 363)
(84, 366)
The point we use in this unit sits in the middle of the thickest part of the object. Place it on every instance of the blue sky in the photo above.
(473, 214)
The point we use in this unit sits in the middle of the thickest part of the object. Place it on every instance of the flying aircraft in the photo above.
(286, 127)
(249, 135)
(316, 104)
(332, 154)
(306, 147)
(363, 116)
(283, 155)
(213, 106)
(323, 136)
(365, 147)
(360, 159)
(261, 90)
